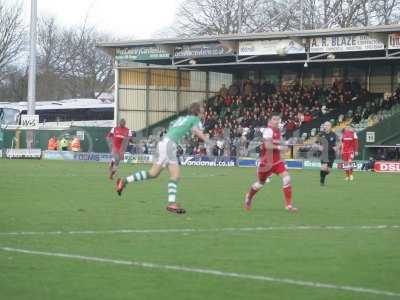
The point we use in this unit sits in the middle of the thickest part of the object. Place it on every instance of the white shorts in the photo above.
(166, 152)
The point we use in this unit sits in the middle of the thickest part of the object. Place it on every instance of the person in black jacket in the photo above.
(327, 145)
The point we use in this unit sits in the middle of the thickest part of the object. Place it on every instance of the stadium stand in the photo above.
(235, 116)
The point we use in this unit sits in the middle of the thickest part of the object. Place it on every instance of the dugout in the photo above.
(155, 79)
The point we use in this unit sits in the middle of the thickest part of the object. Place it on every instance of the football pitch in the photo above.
(65, 234)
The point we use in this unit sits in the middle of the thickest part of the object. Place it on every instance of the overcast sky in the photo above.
(137, 19)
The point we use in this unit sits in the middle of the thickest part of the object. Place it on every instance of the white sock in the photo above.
(172, 187)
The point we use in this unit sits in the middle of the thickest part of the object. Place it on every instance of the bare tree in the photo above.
(49, 49)
(209, 17)
(386, 11)
(87, 71)
(213, 17)
(70, 65)
(12, 34)
(93, 67)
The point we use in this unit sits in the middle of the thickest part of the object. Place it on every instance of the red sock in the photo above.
(287, 192)
(347, 173)
(350, 172)
(252, 192)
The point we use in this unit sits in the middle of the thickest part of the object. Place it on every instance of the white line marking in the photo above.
(207, 271)
(200, 230)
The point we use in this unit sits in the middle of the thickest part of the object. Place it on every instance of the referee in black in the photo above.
(327, 144)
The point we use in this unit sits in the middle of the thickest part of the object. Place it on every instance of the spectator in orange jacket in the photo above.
(52, 144)
(76, 145)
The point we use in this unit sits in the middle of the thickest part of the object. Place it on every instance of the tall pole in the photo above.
(32, 69)
(240, 16)
(301, 14)
(32, 60)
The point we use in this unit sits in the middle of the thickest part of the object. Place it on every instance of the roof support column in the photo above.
(148, 74)
(207, 84)
(392, 75)
(178, 89)
(116, 93)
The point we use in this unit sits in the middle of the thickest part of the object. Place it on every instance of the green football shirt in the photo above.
(182, 126)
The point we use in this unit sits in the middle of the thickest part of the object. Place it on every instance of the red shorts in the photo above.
(264, 171)
(347, 156)
(117, 152)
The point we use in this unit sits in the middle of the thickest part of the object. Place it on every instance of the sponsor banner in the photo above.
(92, 156)
(294, 164)
(344, 43)
(208, 162)
(24, 153)
(356, 165)
(140, 53)
(138, 158)
(387, 167)
(270, 47)
(201, 50)
(312, 164)
(247, 162)
(29, 122)
(290, 163)
(394, 41)
(58, 155)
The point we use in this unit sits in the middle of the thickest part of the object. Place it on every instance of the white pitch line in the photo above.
(207, 272)
(201, 230)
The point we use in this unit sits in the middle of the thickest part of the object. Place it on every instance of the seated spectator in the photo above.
(228, 101)
(240, 115)
(369, 165)
(307, 117)
(357, 118)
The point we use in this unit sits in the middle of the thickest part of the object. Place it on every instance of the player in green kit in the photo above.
(166, 155)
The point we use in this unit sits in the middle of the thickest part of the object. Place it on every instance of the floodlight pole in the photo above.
(301, 14)
(240, 17)
(32, 69)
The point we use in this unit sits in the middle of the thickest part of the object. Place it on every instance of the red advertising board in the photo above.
(387, 166)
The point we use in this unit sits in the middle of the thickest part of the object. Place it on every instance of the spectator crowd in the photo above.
(237, 114)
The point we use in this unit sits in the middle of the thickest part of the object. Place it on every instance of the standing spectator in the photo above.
(162, 132)
(64, 143)
(232, 150)
(234, 89)
(248, 88)
(220, 145)
(76, 144)
(52, 144)
(223, 91)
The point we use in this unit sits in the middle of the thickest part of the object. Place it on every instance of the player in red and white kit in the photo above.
(349, 150)
(271, 163)
(118, 138)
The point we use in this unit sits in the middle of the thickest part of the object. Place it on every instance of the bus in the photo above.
(62, 111)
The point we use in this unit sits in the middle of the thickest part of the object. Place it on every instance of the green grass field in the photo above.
(270, 251)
